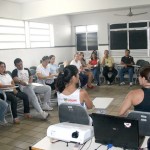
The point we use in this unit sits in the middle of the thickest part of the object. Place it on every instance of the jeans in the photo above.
(3, 108)
(128, 70)
(13, 99)
(43, 89)
(106, 71)
(96, 73)
(83, 79)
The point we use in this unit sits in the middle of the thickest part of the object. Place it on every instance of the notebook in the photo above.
(118, 131)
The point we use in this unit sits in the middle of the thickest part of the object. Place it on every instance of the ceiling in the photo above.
(22, 1)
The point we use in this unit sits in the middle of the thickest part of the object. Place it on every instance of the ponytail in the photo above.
(64, 78)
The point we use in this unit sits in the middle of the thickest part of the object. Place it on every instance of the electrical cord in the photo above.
(98, 147)
(89, 145)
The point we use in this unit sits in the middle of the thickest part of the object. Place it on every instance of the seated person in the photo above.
(86, 67)
(3, 109)
(53, 70)
(84, 79)
(95, 68)
(7, 82)
(24, 79)
(66, 85)
(108, 63)
(127, 62)
(43, 71)
(139, 98)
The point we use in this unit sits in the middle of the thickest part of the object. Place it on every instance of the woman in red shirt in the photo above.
(95, 68)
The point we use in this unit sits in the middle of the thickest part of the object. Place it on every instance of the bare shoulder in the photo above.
(83, 92)
(136, 96)
(135, 92)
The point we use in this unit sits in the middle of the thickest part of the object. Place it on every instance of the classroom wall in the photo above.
(32, 57)
(62, 29)
(10, 10)
(61, 7)
(62, 40)
(102, 19)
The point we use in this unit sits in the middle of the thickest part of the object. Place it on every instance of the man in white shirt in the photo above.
(23, 77)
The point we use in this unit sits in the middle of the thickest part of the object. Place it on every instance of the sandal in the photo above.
(16, 120)
(27, 116)
(90, 87)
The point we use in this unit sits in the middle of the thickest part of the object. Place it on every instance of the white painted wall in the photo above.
(59, 7)
(62, 29)
(32, 57)
(10, 10)
(102, 19)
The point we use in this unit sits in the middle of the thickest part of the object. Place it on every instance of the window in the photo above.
(133, 35)
(39, 34)
(12, 34)
(86, 37)
(24, 34)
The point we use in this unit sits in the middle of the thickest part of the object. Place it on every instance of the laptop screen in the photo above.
(119, 131)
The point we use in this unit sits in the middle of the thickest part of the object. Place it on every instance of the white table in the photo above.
(45, 144)
(102, 102)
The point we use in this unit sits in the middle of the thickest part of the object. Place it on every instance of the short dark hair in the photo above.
(17, 60)
(127, 50)
(2, 63)
(45, 58)
(145, 72)
(51, 56)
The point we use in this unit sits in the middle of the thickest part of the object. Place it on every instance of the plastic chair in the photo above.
(33, 67)
(144, 121)
(9, 112)
(73, 113)
(33, 73)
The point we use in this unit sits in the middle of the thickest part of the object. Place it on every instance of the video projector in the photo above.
(70, 132)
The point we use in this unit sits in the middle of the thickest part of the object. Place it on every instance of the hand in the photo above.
(125, 65)
(15, 91)
(23, 83)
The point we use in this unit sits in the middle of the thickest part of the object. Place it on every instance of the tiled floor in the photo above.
(20, 137)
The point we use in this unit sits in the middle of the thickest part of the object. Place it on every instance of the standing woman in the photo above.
(7, 82)
(95, 68)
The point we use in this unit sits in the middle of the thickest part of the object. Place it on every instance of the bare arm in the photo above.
(17, 80)
(127, 103)
(133, 98)
(41, 77)
(30, 79)
(84, 97)
(7, 86)
(103, 61)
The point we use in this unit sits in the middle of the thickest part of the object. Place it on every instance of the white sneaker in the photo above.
(131, 83)
(46, 107)
(44, 114)
(108, 82)
(122, 83)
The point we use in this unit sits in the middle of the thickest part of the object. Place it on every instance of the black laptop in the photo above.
(118, 131)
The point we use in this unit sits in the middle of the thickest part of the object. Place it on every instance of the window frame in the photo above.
(86, 37)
